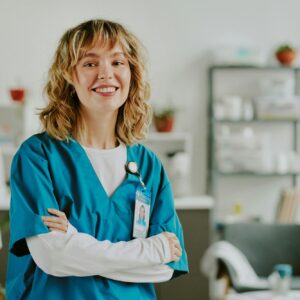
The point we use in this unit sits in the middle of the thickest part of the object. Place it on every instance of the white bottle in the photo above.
(248, 111)
(180, 166)
(280, 279)
(282, 163)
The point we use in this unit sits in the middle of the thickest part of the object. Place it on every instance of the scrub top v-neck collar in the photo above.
(91, 173)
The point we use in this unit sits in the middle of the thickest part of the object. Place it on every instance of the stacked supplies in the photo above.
(243, 151)
(277, 100)
(277, 108)
(287, 207)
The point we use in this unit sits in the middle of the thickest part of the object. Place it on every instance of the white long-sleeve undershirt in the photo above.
(79, 254)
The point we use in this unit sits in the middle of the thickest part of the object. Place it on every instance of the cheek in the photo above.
(126, 78)
(81, 80)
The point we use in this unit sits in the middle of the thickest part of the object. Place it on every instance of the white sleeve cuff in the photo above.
(71, 229)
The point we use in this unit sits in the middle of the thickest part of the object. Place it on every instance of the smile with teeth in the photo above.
(105, 90)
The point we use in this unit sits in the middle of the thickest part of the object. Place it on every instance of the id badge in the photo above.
(141, 213)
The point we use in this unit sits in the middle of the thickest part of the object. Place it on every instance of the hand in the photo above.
(58, 223)
(174, 245)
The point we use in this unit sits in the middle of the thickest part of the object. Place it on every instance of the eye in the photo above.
(89, 64)
(118, 63)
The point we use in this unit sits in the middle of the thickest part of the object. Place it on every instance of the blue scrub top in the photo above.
(47, 173)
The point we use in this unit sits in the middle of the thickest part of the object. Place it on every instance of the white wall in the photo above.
(177, 35)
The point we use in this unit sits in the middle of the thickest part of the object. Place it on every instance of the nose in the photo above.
(105, 71)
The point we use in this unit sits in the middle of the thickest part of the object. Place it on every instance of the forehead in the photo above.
(100, 48)
(103, 43)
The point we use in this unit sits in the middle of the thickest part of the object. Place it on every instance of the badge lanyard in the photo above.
(132, 168)
(142, 204)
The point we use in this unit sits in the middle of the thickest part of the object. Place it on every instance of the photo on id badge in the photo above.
(141, 215)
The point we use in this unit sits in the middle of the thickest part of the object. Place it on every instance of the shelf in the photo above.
(167, 136)
(181, 203)
(256, 174)
(228, 121)
(194, 202)
(254, 67)
(12, 105)
(229, 191)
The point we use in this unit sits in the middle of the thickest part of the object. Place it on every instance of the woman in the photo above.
(75, 186)
(142, 214)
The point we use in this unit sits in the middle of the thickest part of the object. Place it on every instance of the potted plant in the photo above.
(2, 293)
(164, 119)
(17, 94)
(285, 54)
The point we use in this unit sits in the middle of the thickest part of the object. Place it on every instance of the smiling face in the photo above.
(142, 212)
(102, 79)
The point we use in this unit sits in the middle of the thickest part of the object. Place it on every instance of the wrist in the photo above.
(71, 229)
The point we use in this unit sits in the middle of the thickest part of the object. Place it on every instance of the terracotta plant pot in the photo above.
(17, 94)
(164, 124)
(286, 57)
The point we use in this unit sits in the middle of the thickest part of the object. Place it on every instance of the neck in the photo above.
(97, 131)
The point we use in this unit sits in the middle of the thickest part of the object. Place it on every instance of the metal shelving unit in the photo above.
(212, 170)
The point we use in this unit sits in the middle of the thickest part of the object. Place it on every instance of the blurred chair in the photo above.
(251, 250)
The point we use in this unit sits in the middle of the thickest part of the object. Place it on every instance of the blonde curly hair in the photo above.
(61, 117)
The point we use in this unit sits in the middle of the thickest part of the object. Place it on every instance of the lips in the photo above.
(110, 89)
(105, 88)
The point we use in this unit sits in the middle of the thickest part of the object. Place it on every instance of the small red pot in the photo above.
(286, 57)
(164, 124)
(17, 94)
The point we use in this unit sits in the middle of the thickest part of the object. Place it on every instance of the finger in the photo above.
(58, 221)
(54, 219)
(56, 229)
(50, 218)
(63, 224)
(170, 235)
(175, 257)
(56, 226)
(175, 242)
(57, 212)
(174, 239)
(177, 246)
(178, 252)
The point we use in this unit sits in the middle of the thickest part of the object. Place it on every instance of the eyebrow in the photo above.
(95, 55)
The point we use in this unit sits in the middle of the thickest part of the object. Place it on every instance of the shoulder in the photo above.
(142, 150)
(36, 145)
(35, 140)
(150, 165)
(146, 155)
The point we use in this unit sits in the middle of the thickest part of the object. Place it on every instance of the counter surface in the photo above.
(189, 202)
